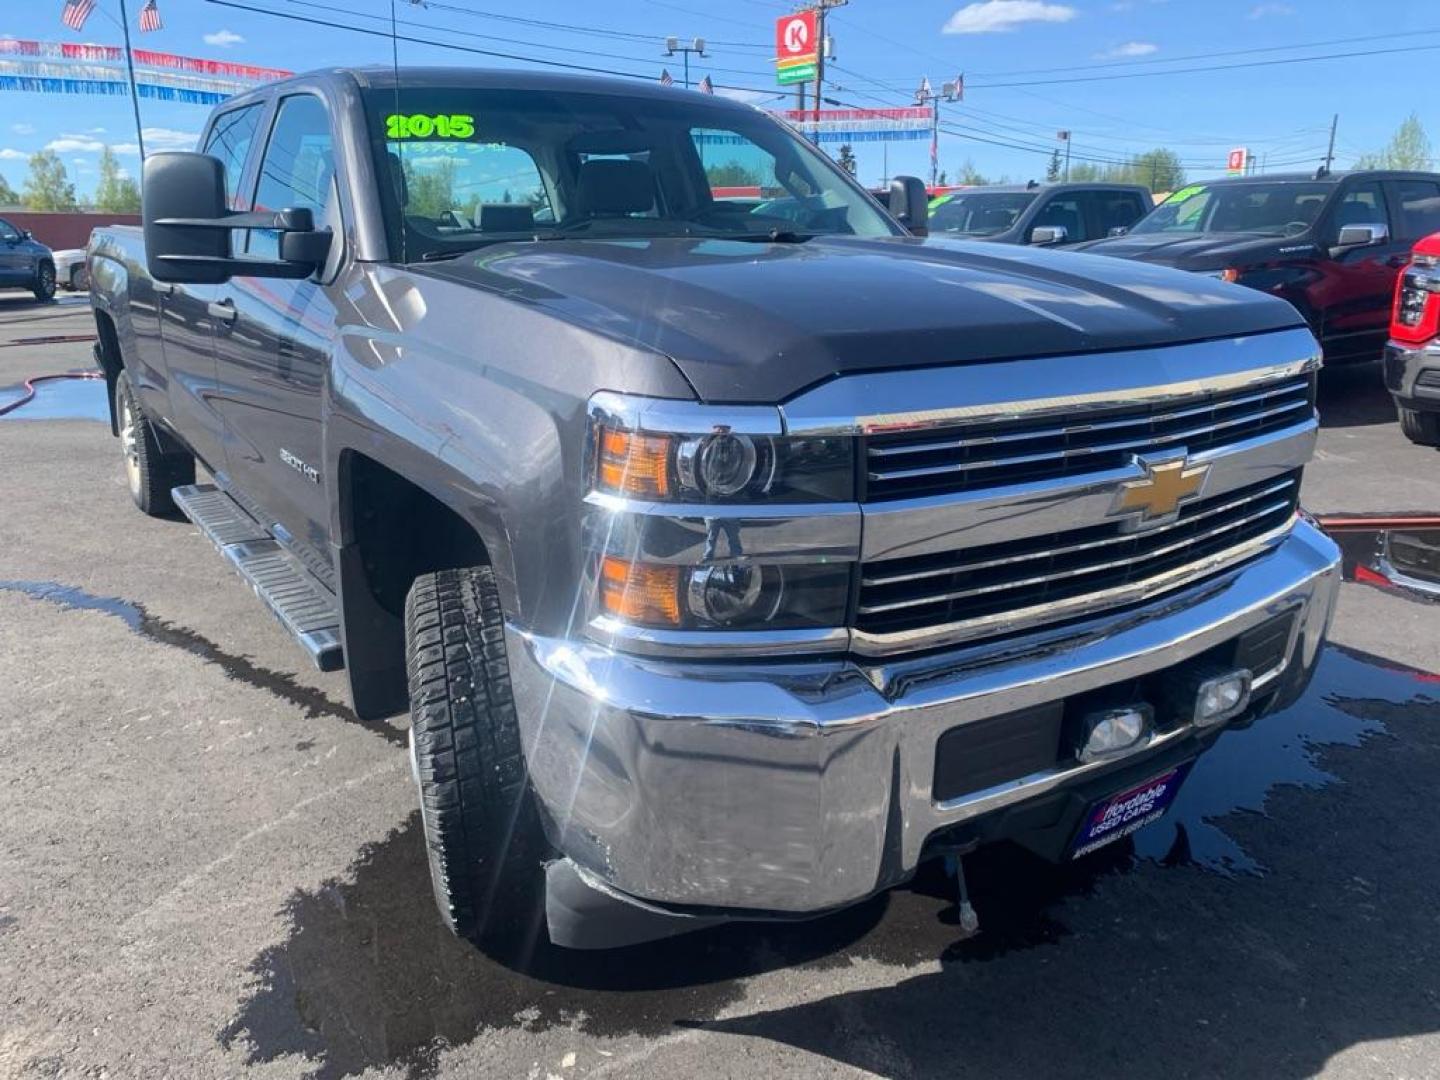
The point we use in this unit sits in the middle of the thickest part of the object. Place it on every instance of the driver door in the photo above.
(1353, 291)
(14, 259)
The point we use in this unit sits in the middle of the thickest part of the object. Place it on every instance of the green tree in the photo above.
(1053, 167)
(1157, 169)
(116, 193)
(431, 190)
(847, 158)
(1408, 148)
(731, 174)
(47, 187)
(970, 175)
(7, 194)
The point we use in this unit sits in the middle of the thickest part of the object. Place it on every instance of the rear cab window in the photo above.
(1419, 205)
(230, 139)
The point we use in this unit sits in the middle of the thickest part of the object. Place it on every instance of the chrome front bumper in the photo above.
(1403, 365)
(797, 787)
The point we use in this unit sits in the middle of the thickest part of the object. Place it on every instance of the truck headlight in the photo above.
(690, 453)
(730, 596)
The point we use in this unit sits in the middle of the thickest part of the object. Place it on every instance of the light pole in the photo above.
(696, 46)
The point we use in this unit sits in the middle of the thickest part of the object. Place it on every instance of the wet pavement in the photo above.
(210, 866)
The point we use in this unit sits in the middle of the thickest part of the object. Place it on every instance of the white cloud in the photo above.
(9, 154)
(160, 139)
(68, 144)
(224, 39)
(23, 129)
(1261, 11)
(998, 16)
(1128, 50)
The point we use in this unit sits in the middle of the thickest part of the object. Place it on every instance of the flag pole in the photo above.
(134, 90)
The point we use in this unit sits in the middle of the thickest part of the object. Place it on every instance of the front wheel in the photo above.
(483, 834)
(44, 286)
(150, 472)
(1421, 428)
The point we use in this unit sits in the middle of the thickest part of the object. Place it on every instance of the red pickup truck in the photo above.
(1412, 358)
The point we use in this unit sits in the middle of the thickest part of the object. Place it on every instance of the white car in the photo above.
(71, 273)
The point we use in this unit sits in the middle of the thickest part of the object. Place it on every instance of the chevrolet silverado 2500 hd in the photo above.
(729, 563)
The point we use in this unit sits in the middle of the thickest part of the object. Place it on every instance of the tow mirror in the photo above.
(1358, 236)
(1049, 234)
(188, 227)
(910, 204)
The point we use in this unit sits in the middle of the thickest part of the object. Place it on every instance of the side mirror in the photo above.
(1049, 234)
(187, 226)
(1356, 236)
(910, 204)
(26, 234)
(1118, 230)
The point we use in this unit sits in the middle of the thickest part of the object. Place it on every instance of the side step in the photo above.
(304, 607)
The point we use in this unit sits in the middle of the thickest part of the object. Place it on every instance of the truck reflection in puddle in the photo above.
(1399, 553)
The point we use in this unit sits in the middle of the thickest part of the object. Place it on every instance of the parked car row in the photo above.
(1330, 243)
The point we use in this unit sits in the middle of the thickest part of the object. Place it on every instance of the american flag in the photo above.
(76, 12)
(666, 79)
(706, 86)
(960, 87)
(150, 17)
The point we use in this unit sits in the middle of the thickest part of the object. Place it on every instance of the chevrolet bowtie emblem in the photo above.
(1166, 486)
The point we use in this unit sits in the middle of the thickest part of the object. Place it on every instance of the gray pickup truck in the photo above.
(729, 562)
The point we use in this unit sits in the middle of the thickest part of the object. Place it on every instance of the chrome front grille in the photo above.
(996, 586)
(990, 453)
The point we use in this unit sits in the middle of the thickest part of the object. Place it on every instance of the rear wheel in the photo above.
(150, 472)
(79, 278)
(44, 286)
(1421, 428)
(483, 834)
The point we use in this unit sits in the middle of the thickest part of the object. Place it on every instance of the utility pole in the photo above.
(1064, 136)
(134, 90)
(950, 91)
(1330, 153)
(822, 44)
(697, 46)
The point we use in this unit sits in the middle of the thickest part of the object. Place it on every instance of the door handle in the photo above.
(163, 288)
(223, 310)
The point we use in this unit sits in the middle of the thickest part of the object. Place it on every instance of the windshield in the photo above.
(979, 213)
(1274, 209)
(469, 167)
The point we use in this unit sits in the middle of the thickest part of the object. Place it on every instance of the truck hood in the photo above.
(749, 322)
(1208, 251)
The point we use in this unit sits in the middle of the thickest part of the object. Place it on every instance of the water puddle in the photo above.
(59, 399)
(367, 976)
(313, 702)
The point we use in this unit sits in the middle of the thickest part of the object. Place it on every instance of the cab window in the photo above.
(297, 171)
(1064, 212)
(1363, 204)
(1116, 210)
(8, 231)
(1419, 208)
(230, 139)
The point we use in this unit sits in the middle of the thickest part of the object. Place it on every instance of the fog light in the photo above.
(1205, 694)
(1113, 731)
(1222, 698)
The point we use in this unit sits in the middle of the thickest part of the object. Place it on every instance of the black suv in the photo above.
(1330, 243)
(1054, 215)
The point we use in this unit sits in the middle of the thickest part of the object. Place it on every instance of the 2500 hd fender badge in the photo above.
(308, 471)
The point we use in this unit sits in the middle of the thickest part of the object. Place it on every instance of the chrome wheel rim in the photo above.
(47, 280)
(129, 443)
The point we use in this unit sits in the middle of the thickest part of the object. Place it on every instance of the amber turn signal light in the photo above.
(642, 593)
(634, 464)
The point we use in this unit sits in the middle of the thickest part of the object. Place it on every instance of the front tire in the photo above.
(150, 472)
(483, 834)
(1421, 428)
(44, 287)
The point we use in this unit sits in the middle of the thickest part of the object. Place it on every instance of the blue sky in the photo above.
(882, 48)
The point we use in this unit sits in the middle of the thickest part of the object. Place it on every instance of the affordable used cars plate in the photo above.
(1118, 816)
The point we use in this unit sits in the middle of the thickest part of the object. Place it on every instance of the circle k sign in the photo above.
(795, 37)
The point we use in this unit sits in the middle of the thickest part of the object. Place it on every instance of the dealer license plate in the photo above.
(1118, 816)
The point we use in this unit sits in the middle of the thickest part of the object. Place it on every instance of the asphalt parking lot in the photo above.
(207, 865)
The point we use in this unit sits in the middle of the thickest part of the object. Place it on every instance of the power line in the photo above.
(565, 65)
(573, 28)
